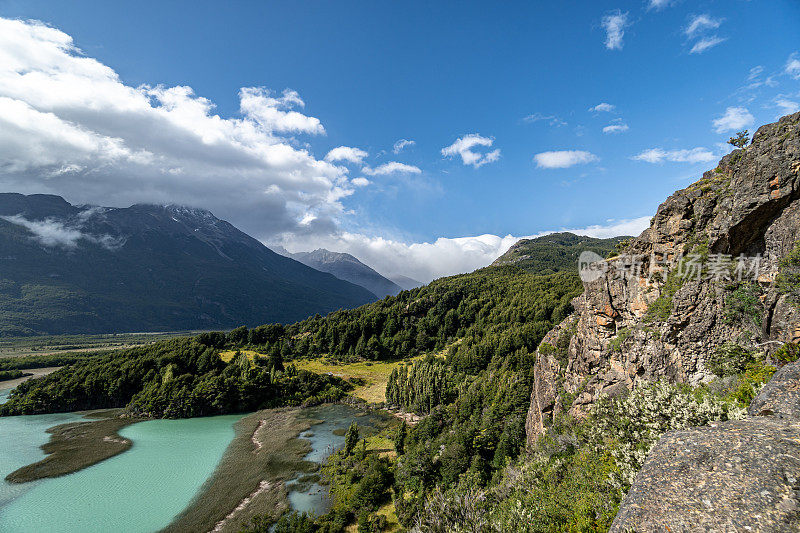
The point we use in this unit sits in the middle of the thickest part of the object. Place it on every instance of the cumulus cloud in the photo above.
(563, 158)
(464, 147)
(603, 108)
(614, 25)
(392, 167)
(426, 261)
(360, 182)
(346, 153)
(793, 66)
(275, 114)
(700, 23)
(55, 233)
(659, 155)
(69, 125)
(402, 143)
(616, 126)
(734, 118)
(706, 43)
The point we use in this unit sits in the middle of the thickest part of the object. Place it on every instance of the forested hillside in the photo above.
(483, 328)
(556, 252)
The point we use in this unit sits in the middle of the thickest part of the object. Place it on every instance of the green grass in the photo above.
(373, 375)
(76, 446)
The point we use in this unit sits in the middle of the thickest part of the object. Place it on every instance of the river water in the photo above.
(144, 488)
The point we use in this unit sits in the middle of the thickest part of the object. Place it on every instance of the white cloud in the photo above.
(402, 143)
(70, 126)
(563, 158)
(658, 4)
(464, 147)
(346, 153)
(793, 66)
(616, 126)
(426, 261)
(54, 233)
(393, 167)
(552, 120)
(735, 118)
(614, 24)
(603, 108)
(360, 182)
(659, 155)
(275, 114)
(700, 23)
(707, 42)
(786, 106)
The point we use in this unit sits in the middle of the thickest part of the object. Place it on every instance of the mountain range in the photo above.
(89, 269)
(345, 266)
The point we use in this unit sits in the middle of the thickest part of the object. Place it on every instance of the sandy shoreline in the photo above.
(35, 373)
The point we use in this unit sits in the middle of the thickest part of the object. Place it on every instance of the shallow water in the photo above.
(137, 491)
(144, 488)
(314, 499)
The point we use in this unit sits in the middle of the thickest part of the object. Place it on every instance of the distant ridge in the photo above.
(88, 269)
(406, 283)
(556, 252)
(345, 266)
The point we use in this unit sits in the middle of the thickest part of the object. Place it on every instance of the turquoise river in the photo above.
(144, 488)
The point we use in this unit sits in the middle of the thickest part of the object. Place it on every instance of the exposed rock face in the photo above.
(781, 396)
(741, 475)
(715, 479)
(636, 323)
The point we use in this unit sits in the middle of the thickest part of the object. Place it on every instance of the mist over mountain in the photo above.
(406, 283)
(89, 269)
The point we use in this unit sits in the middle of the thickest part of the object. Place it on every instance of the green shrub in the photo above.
(553, 494)
(750, 383)
(743, 306)
(631, 426)
(661, 308)
(788, 353)
(619, 339)
(788, 279)
(730, 359)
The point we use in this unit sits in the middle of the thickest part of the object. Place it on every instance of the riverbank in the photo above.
(78, 445)
(30, 374)
(249, 479)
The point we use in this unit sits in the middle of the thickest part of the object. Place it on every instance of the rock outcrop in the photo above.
(648, 318)
(741, 475)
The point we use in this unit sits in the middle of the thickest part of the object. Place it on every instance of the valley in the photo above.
(383, 267)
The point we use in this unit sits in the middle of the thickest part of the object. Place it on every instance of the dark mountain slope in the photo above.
(73, 269)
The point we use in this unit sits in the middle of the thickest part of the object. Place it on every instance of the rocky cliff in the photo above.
(702, 275)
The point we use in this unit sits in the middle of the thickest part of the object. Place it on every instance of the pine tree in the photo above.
(351, 439)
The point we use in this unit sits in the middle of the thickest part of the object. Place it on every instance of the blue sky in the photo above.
(523, 76)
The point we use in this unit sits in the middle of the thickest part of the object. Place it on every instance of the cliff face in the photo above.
(647, 317)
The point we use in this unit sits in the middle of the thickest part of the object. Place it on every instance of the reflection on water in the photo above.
(314, 498)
